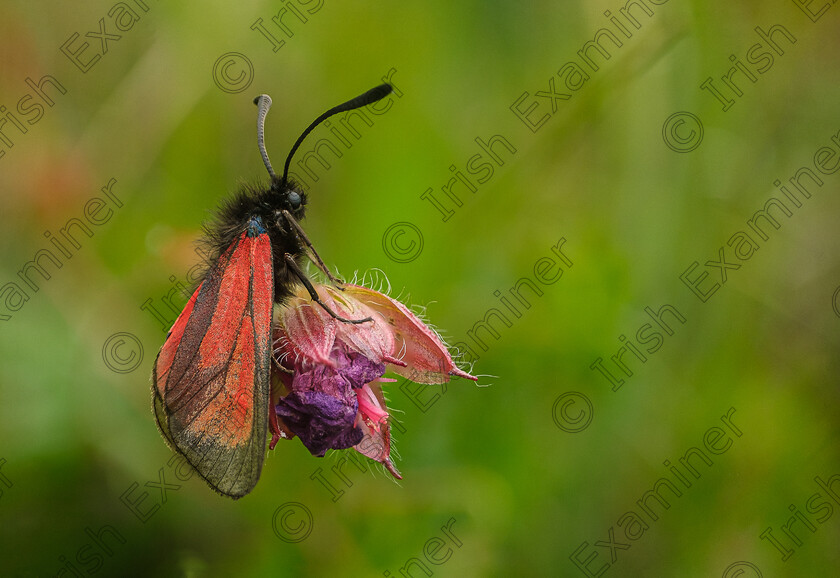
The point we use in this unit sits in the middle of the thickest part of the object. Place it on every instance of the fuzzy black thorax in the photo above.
(266, 203)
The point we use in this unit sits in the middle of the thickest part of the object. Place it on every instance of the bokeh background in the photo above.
(525, 490)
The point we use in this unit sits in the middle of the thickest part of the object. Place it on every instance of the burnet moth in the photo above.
(211, 382)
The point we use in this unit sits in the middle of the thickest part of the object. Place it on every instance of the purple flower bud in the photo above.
(329, 372)
(322, 406)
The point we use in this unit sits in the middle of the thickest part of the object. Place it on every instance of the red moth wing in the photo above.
(211, 378)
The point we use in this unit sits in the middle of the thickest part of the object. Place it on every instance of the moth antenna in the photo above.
(365, 99)
(263, 103)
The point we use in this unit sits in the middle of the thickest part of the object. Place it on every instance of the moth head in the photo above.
(283, 199)
(293, 199)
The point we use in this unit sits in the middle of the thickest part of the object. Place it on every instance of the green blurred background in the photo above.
(78, 440)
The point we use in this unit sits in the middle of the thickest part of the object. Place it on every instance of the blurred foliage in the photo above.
(77, 437)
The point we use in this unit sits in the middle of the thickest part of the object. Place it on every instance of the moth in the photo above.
(211, 380)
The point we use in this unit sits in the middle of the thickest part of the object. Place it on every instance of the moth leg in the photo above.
(290, 262)
(279, 366)
(318, 261)
(276, 432)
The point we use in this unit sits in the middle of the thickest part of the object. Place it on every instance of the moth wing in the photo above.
(211, 378)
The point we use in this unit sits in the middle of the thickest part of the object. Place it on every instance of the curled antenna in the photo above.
(365, 99)
(263, 102)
